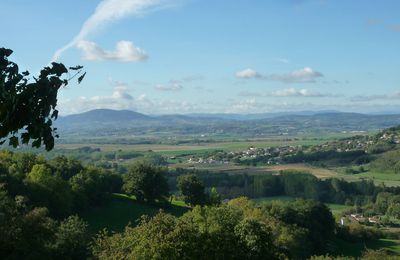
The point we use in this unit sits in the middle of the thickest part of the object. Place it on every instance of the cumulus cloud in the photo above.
(119, 99)
(292, 92)
(125, 51)
(247, 74)
(108, 11)
(305, 75)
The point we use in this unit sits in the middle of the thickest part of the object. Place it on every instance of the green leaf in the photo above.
(5, 52)
(36, 143)
(81, 78)
(25, 138)
(54, 114)
(14, 141)
(78, 67)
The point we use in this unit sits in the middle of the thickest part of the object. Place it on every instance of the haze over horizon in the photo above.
(192, 56)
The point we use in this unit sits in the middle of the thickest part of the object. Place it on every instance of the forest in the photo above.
(42, 200)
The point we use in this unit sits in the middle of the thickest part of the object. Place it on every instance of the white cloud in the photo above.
(292, 92)
(108, 11)
(125, 51)
(119, 99)
(305, 75)
(395, 96)
(172, 85)
(247, 74)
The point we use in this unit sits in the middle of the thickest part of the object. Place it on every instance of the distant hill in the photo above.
(259, 115)
(117, 123)
(104, 115)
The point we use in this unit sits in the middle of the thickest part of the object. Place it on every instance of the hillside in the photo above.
(111, 123)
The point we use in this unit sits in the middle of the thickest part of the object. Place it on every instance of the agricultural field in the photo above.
(193, 147)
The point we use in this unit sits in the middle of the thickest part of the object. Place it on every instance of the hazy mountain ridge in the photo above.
(125, 122)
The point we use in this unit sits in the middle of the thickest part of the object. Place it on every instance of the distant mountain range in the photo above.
(124, 116)
(125, 122)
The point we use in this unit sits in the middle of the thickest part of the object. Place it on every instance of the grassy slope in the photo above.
(335, 208)
(356, 249)
(121, 210)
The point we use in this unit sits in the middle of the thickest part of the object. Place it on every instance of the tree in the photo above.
(146, 182)
(49, 190)
(27, 109)
(257, 239)
(213, 197)
(71, 239)
(192, 190)
(66, 167)
(91, 185)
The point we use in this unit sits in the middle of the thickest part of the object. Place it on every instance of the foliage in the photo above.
(146, 182)
(192, 190)
(388, 162)
(214, 198)
(29, 106)
(29, 233)
(56, 184)
(71, 239)
(315, 217)
(237, 230)
(91, 185)
(50, 191)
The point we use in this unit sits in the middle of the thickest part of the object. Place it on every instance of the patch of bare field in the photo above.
(317, 172)
(239, 169)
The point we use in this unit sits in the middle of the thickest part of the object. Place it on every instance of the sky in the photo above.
(213, 56)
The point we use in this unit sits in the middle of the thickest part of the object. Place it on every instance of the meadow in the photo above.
(341, 247)
(120, 210)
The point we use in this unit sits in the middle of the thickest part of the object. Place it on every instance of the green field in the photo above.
(335, 208)
(389, 179)
(192, 148)
(121, 210)
(338, 209)
(355, 249)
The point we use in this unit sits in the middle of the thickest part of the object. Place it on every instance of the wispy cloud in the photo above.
(109, 11)
(395, 96)
(248, 74)
(288, 92)
(282, 60)
(291, 92)
(305, 75)
(172, 85)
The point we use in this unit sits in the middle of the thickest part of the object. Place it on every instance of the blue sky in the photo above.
(195, 56)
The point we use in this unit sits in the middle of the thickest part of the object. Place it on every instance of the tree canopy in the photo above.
(28, 108)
